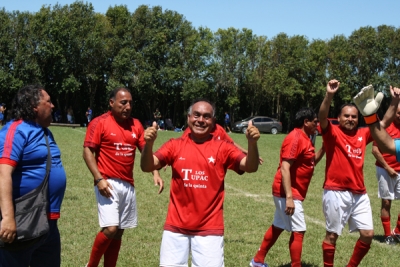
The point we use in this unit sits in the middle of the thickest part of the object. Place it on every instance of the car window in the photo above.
(247, 119)
(257, 120)
(267, 120)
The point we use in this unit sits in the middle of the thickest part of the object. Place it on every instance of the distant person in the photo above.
(89, 114)
(109, 152)
(194, 223)
(227, 122)
(57, 115)
(2, 111)
(157, 116)
(296, 167)
(23, 161)
(70, 115)
(387, 174)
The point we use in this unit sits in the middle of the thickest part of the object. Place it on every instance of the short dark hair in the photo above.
(302, 114)
(26, 99)
(114, 92)
(201, 100)
(346, 105)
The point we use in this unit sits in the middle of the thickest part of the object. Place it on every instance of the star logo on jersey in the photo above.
(219, 138)
(211, 160)
(113, 134)
(360, 139)
(181, 158)
(133, 135)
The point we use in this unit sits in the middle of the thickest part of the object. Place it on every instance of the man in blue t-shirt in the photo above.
(23, 157)
(227, 122)
(89, 113)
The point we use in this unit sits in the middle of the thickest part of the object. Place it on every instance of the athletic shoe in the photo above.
(389, 240)
(257, 264)
(395, 235)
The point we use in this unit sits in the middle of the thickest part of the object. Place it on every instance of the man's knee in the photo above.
(331, 238)
(112, 232)
(366, 236)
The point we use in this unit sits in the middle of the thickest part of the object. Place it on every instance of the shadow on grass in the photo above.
(303, 264)
(380, 238)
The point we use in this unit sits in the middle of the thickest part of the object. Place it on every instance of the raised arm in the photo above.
(149, 162)
(368, 106)
(331, 88)
(251, 161)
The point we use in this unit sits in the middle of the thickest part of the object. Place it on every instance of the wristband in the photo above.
(371, 119)
(98, 180)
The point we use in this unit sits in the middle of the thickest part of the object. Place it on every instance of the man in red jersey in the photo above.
(289, 189)
(109, 152)
(199, 163)
(345, 197)
(387, 173)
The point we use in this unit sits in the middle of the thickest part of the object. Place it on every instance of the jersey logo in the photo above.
(181, 158)
(113, 134)
(211, 160)
(134, 135)
(360, 139)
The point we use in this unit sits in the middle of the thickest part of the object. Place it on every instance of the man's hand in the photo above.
(289, 210)
(252, 133)
(365, 101)
(332, 86)
(8, 230)
(150, 134)
(104, 188)
(395, 92)
(158, 181)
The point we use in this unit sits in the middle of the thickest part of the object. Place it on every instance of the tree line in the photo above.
(79, 55)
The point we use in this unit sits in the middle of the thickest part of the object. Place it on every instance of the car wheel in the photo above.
(244, 129)
(274, 131)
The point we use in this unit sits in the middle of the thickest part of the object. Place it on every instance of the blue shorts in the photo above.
(1, 116)
(46, 252)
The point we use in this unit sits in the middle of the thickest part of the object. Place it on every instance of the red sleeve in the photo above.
(290, 146)
(93, 134)
(140, 129)
(164, 153)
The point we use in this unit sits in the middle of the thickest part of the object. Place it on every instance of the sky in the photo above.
(315, 19)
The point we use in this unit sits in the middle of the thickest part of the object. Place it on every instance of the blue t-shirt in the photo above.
(227, 119)
(23, 145)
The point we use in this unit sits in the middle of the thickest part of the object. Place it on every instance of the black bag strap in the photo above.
(48, 162)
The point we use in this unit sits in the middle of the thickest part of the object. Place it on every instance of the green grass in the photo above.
(248, 211)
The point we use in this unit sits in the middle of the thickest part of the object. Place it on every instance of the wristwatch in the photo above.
(98, 180)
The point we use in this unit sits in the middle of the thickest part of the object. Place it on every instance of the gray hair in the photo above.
(201, 100)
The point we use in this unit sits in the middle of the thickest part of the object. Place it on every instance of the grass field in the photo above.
(248, 211)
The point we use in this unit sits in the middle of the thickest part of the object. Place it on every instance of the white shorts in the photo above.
(388, 187)
(341, 207)
(294, 223)
(120, 209)
(207, 251)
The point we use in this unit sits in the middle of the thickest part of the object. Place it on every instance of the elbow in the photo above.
(252, 169)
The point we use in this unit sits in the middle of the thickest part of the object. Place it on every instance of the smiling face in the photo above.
(44, 109)
(121, 105)
(348, 118)
(201, 121)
